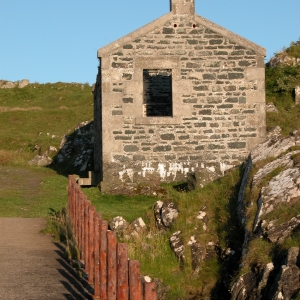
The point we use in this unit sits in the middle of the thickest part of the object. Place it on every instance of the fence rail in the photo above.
(110, 272)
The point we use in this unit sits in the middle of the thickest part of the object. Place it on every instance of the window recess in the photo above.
(157, 84)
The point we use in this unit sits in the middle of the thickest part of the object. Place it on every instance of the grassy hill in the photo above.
(280, 83)
(39, 115)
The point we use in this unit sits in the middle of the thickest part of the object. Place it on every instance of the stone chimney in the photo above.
(182, 7)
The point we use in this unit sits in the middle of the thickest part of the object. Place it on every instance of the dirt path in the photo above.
(32, 266)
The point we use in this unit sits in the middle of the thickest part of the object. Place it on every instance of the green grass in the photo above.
(129, 207)
(41, 114)
(40, 191)
(222, 229)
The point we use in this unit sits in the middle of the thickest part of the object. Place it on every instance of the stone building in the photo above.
(178, 95)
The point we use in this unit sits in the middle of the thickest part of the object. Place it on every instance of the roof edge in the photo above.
(134, 34)
(231, 35)
(169, 16)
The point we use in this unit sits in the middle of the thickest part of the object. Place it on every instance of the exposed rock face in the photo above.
(277, 233)
(284, 60)
(243, 287)
(282, 189)
(271, 283)
(273, 147)
(285, 161)
(77, 149)
(277, 279)
(10, 85)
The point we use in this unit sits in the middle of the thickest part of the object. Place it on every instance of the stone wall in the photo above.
(218, 101)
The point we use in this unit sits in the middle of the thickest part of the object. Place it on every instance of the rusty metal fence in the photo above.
(112, 275)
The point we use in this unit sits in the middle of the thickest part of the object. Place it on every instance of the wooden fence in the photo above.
(110, 272)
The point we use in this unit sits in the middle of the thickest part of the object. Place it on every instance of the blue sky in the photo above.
(57, 40)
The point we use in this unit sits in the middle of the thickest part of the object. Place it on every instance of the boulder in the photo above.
(169, 213)
(41, 160)
(157, 215)
(177, 246)
(136, 227)
(270, 107)
(199, 179)
(198, 252)
(52, 149)
(118, 224)
(202, 215)
(277, 233)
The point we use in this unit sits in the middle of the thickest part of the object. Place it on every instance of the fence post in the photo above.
(150, 291)
(86, 234)
(91, 245)
(122, 271)
(69, 195)
(71, 199)
(111, 265)
(103, 260)
(81, 238)
(135, 284)
(97, 224)
(76, 221)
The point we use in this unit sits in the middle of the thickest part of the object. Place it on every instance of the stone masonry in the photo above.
(217, 99)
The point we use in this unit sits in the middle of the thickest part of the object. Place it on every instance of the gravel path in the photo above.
(32, 266)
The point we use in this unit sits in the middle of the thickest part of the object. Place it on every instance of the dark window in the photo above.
(157, 92)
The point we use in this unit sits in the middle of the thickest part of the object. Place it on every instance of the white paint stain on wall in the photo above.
(224, 167)
(161, 169)
(167, 170)
(128, 172)
(147, 168)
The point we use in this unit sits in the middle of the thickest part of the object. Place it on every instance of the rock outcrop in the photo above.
(41, 160)
(273, 169)
(271, 282)
(76, 150)
(283, 59)
(4, 84)
(165, 213)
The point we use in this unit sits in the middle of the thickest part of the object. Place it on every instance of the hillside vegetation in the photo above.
(280, 83)
(39, 115)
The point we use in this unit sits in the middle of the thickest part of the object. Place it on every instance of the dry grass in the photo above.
(6, 157)
(6, 109)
